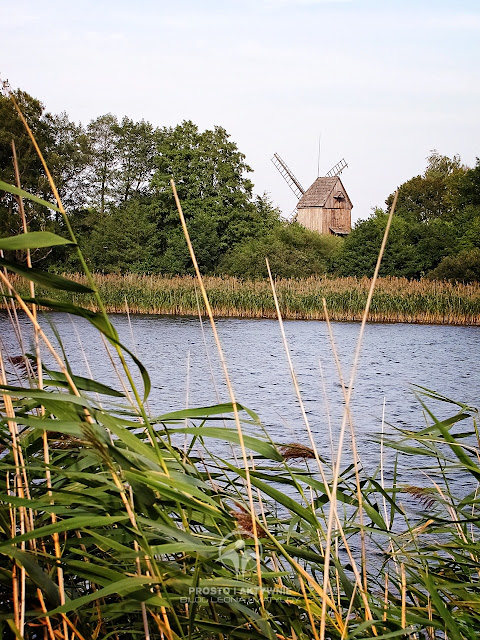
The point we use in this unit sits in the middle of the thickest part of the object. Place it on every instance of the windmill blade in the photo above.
(337, 169)
(290, 179)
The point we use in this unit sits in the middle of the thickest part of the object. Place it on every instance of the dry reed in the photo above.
(394, 300)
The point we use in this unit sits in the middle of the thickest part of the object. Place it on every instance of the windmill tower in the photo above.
(325, 206)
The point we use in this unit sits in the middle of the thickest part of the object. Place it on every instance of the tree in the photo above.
(437, 215)
(209, 173)
(467, 203)
(468, 191)
(32, 176)
(362, 245)
(464, 267)
(69, 161)
(103, 161)
(433, 194)
(121, 160)
(292, 252)
(121, 240)
(12, 128)
(135, 150)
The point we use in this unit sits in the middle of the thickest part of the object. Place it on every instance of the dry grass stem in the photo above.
(338, 462)
(395, 299)
(229, 386)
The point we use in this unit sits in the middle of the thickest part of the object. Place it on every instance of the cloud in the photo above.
(298, 3)
(457, 21)
(19, 17)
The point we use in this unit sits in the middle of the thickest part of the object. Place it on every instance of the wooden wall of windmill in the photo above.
(325, 206)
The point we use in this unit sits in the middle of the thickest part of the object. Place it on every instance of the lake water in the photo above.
(185, 370)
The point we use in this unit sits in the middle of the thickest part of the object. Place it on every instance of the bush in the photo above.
(465, 267)
(292, 251)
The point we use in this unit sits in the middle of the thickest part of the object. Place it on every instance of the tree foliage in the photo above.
(114, 178)
(32, 176)
(216, 195)
(292, 252)
(464, 267)
(437, 220)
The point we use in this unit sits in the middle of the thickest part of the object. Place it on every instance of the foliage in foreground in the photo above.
(112, 527)
(145, 527)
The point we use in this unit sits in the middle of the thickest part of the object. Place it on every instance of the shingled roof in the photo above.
(317, 194)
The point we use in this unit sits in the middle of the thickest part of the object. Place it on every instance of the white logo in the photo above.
(236, 554)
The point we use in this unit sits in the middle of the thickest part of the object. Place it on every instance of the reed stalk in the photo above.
(394, 299)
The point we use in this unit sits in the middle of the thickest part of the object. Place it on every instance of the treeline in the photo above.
(114, 179)
(435, 231)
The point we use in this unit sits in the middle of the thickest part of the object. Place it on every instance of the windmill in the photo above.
(325, 206)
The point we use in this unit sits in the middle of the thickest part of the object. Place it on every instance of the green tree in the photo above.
(135, 151)
(433, 241)
(104, 165)
(292, 252)
(69, 161)
(437, 215)
(209, 172)
(121, 240)
(32, 176)
(362, 245)
(468, 191)
(464, 267)
(102, 174)
(467, 221)
(433, 194)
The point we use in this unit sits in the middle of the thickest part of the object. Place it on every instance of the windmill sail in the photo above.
(337, 169)
(290, 179)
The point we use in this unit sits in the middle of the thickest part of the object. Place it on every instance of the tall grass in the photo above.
(108, 529)
(394, 300)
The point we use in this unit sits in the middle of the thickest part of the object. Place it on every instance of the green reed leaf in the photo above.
(288, 502)
(223, 433)
(132, 586)
(44, 396)
(33, 240)
(77, 522)
(84, 384)
(4, 186)
(205, 412)
(45, 278)
(442, 610)
(37, 574)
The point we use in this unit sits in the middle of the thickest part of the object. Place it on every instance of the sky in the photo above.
(379, 83)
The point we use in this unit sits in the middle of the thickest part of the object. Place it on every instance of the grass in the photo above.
(394, 300)
(109, 530)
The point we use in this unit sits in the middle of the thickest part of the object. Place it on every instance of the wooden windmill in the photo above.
(325, 206)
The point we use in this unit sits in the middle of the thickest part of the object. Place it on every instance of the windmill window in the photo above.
(339, 196)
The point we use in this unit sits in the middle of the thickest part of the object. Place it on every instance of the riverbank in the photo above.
(395, 299)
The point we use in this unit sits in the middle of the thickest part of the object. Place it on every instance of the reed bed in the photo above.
(394, 300)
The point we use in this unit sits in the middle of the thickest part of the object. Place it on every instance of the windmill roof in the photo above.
(338, 231)
(316, 195)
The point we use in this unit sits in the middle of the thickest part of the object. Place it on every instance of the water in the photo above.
(393, 358)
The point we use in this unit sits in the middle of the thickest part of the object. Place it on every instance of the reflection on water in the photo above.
(393, 358)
